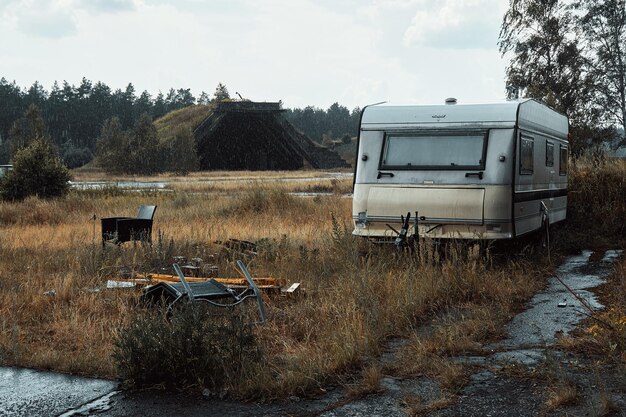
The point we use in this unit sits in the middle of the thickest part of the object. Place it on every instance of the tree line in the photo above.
(139, 150)
(572, 55)
(73, 116)
(324, 126)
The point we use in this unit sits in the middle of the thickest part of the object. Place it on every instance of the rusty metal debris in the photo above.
(172, 292)
(197, 281)
(199, 273)
(196, 267)
(254, 288)
(266, 283)
(204, 291)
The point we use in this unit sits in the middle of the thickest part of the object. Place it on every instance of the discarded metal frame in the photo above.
(205, 291)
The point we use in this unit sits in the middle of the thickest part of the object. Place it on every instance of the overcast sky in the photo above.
(303, 52)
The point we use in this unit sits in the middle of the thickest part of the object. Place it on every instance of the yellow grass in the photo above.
(94, 174)
(356, 295)
(352, 303)
(561, 395)
(187, 118)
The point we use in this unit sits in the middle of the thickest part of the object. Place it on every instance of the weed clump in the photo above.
(260, 199)
(195, 347)
(596, 207)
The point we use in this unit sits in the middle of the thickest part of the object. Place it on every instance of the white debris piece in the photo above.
(120, 284)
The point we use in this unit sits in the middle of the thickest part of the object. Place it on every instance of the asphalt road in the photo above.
(26, 392)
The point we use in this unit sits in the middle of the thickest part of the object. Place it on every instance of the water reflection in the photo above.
(128, 185)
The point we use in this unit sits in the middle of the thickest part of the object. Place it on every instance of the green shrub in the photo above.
(197, 346)
(37, 170)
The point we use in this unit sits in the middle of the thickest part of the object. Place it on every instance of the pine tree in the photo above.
(26, 129)
(112, 149)
(221, 93)
(37, 170)
(204, 98)
(144, 147)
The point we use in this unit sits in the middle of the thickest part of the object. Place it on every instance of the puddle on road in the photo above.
(555, 310)
(551, 312)
(39, 393)
(99, 405)
(127, 185)
(530, 334)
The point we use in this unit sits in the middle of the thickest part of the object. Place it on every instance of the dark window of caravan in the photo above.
(434, 150)
(549, 154)
(526, 151)
(563, 160)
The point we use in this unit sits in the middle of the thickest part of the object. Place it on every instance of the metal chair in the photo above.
(206, 291)
(125, 229)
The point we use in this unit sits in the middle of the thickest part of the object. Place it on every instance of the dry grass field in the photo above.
(55, 312)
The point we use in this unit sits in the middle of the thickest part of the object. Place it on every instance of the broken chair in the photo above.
(125, 229)
(206, 291)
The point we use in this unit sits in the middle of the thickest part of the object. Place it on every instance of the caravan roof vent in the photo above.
(450, 101)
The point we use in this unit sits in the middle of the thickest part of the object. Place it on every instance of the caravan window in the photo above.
(434, 150)
(549, 154)
(526, 151)
(563, 160)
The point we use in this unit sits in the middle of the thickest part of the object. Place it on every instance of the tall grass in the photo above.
(596, 202)
(56, 314)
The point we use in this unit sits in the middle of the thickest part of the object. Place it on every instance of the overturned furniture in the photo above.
(206, 291)
(125, 229)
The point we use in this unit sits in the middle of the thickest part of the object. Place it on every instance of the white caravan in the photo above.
(475, 171)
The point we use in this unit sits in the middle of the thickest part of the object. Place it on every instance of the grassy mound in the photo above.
(187, 118)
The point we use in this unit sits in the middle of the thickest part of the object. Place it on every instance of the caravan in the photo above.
(475, 171)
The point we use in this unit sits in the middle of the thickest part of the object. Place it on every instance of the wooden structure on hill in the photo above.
(247, 135)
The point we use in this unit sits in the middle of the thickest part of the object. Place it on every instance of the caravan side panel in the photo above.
(540, 190)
